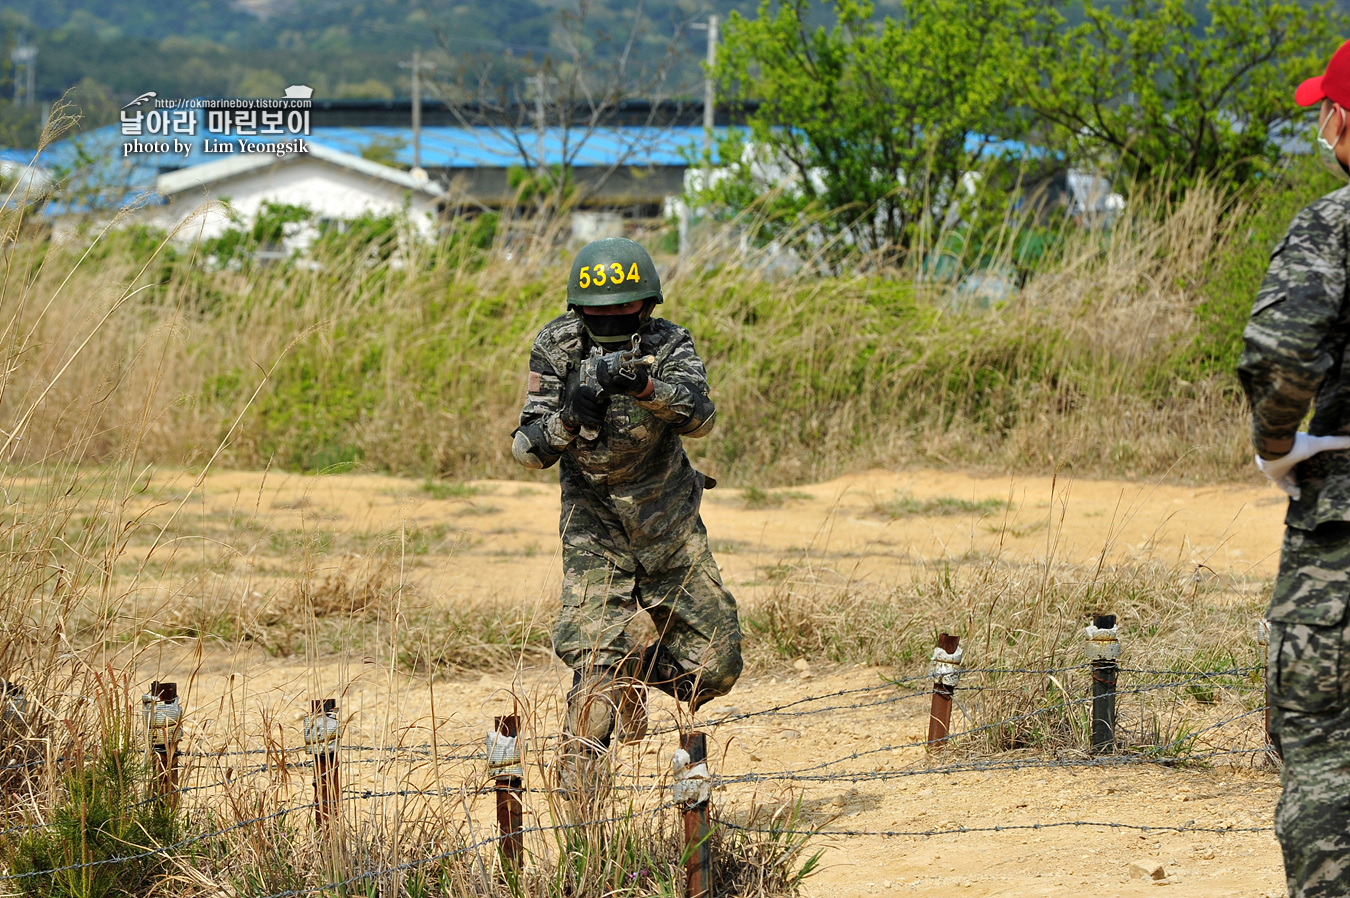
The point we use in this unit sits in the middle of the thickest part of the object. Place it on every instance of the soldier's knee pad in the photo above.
(590, 708)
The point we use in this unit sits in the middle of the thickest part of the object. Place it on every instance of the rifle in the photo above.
(627, 360)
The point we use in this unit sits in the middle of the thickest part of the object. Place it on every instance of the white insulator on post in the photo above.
(322, 732)
(1103, 643)
(945, 667)
(690, 784)
(162, 719)
(504, 754)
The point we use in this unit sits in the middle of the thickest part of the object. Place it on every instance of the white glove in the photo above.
(1281, 470)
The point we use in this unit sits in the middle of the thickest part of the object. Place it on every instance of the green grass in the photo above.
(1230, 285)
(755, 498)
(905, 505)
(281, 542)
(441, 490)
(105, 813)
(473, 508)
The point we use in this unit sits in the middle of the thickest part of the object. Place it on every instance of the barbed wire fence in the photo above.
(1055, 729)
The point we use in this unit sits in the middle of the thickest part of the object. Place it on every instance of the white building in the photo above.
(22, 184)
(333, 185)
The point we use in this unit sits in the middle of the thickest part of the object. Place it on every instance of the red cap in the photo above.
(1333, 85)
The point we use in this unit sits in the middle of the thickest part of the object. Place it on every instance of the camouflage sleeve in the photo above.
(1289, 339)
(680, 394)
(541, 438)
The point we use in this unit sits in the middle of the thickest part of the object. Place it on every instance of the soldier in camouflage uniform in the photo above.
(631, 531)
(1297, 352)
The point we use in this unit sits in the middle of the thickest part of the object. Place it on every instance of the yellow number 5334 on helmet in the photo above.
(611, 272)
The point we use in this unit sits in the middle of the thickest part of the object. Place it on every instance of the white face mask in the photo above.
(1326, 150)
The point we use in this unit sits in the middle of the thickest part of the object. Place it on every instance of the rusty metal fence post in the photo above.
(945, 669)
(15, 710)
(1103, 652)
(504, 762)
(322, 735)
(163, 723)
(1263, 645)
(692, 789)
(14, 753)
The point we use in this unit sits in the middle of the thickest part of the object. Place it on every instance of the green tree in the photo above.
(873, 125)
(560, 112)
(385, 150)
(1175, 89)
(107, 835)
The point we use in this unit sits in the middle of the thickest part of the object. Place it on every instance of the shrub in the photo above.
(106, 819)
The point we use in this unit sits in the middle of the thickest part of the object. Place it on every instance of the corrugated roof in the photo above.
(96, 172)
(442, 147)
(451, 147)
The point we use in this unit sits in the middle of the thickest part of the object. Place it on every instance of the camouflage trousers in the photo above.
(1309, 694)
(694, 614)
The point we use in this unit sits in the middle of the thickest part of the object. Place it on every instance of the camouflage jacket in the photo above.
(1296, 345)
(630, 495)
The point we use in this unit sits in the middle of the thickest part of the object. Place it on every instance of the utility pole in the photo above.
(709, 87)
(709, 91)
(25, 56)
(539, 121)
(417, 65)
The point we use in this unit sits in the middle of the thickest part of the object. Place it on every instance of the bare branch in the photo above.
(573, 102)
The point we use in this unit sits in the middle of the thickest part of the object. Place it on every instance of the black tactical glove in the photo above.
(584, 408)
(613, 379)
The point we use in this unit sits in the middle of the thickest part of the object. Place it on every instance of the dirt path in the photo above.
(497, 541)
(504, 534)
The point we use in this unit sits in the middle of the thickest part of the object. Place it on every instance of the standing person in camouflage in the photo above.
(631, 531)
(1297, 352)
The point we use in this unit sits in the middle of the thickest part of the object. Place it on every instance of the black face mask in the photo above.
(612, 330)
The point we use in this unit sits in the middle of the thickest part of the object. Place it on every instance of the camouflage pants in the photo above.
(694, 614)
(1309, 694)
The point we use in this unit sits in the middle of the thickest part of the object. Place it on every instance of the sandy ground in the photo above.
(506, 532)
(497, 541)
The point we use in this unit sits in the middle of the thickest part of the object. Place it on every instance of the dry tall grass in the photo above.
(102, 578)
(1190, 657)
(112, 351)
(415, 363)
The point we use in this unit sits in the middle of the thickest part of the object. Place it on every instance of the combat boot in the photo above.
(583, 774)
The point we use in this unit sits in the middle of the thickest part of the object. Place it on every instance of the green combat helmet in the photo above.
(611, 272)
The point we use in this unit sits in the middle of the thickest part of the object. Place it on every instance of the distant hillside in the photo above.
(112, 50)
(343, 48)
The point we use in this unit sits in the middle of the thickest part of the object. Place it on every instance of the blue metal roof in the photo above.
(21, 157)
(442, 147)
(92, 172)
(97, 172)
(453, 147)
